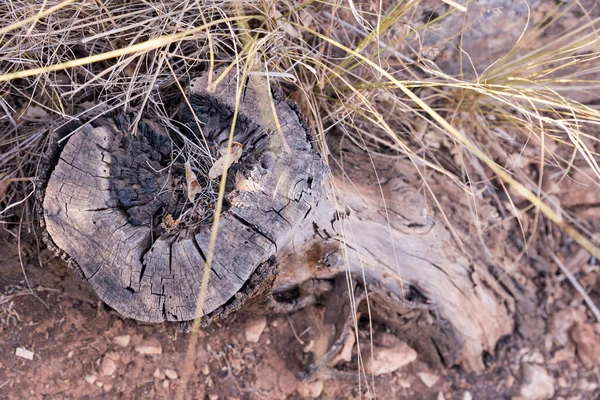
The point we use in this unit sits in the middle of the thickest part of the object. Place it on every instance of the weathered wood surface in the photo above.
(441, 301)
(109, 192)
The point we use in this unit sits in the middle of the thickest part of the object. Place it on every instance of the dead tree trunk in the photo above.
(116, 206)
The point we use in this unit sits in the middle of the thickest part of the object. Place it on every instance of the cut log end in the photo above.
(118, 204)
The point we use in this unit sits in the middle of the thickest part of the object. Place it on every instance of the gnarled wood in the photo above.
(443, 302)
(110, 193)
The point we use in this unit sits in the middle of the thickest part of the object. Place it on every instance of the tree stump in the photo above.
(116, 206)
(111, 195)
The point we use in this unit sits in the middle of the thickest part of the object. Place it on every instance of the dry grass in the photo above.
(361, 70)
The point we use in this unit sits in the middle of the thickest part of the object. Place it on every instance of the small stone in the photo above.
(24, 353)
(254, 329)
(91, 379)
(137, 339)
(467, 396)
(157, 374)
(99, 383)
(70, 354)
(561, 355)
(561, 325)
(386, 360)
(404, 383)
(108, 366)
(536, 384)
(440, 396)
(587, 386)
(149, 347)
(36, 112)
(588, 344)
(171, 374)
(534, 358)
(428, 378)
(205, 370)
(509, 381)
(213, 396)
(310, 390)
(108, 387)
(563, 382)
(165, 384)
(122, 340)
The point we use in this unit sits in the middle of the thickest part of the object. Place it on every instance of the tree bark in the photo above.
(114, 204)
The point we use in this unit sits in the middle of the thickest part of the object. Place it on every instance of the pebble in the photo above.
(587, 386)
(386, 360)
(24, 353)
(91, 379)
(533, 358)
(149, 347)
(158, 375)
(467, 396)
(562, 323)
(562, 355)
(404, 383)
(563, 382)
(165, 384)
(205, 370)
(171, 374)
(509, 381)
(254, 329)
(310, 390)
(536, 384)
(588, 344)
(213, 396)
(428, 378)
(108, 366)
(122, 340)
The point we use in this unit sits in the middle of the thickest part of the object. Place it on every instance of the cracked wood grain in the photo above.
(284, 235)
(109, 190)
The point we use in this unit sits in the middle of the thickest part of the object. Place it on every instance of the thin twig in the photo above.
(294, 331)
(590, 303)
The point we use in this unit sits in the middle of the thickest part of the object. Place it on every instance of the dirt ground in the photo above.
(71, 334)
(81, 349)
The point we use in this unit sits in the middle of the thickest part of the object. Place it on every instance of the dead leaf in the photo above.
(169, 223)
(217, 169)
(193, 187)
